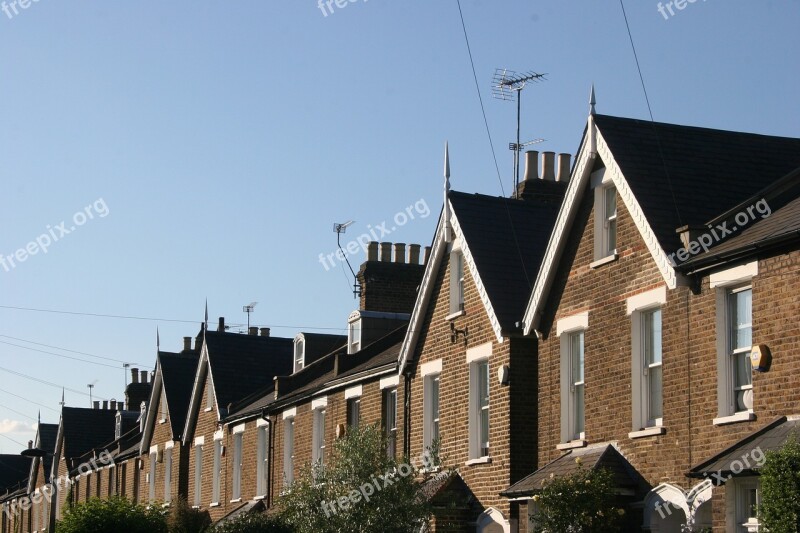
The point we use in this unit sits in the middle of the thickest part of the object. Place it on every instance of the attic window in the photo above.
(456, 282)
(354, 336)
(605, 218)
(299, 354)
(209, 392)
(162, 409)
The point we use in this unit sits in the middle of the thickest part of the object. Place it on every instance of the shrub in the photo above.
(579, 503)
(253, 523)
(780, 489)
(184, 519)
(112, 516)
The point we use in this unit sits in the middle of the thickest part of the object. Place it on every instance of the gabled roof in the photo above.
(177, 374)
(46, 435)
(14, 471)
(503, 242)
(84, 430)
(709, 172)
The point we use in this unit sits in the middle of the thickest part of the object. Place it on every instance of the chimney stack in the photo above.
(187, 344)
(265, 332)
(531, 165)
(221, 326)
(563, 167)
(386, 252)
(143, 376)
(548, 166)
(399, 252)
(253, 330)
(134, 375)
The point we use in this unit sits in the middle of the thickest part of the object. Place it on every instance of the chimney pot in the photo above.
(113, 405)
(221, 326)
(105, 405)
(531, 165)
(563, 167)
(97, 404)
(265, 332)
(413, 254)
(427, 255)
(253, 330)
(134, 375)
(143, 376)
(386, 252)
(187, 344)
(120, 406)
(399, 252)
(372, 251)
(30, 444)
(548, 166)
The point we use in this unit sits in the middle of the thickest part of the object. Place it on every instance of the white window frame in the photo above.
(209, 389)
(638, 307)
(566, 328)
(457, 276)
(299, 353)
(162, 408)
(389, 402)
(601, 182)
(238, 453)
(737, 516)
(724, 282)
(318, 435)
(478, 449)
(354, 335)
(199, 444)
(168, 447)
(288, 451)
(217, 465)
(151, 481)
(262, 458)
(432, 423)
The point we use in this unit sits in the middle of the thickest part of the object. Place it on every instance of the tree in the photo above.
(582, 502)
(112, 516)
(780, 489)
(254, 523)
(183, 519)
(359, 489)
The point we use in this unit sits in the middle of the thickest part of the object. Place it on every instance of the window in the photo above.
(431, 405)
(609, 220)
(299, 353)
(456, 281)
(646, 362)
(236, 489)
(262, 458)
(571, 331)
(217, 470)
(734, 342)
(353, 411)
(605, 217)
(354, 336)
(288, 451)
(479, 409)
(209, 391)
(162, 408)
(198, 472)
(152, 475)
(168, 475)
(389, 421)
(318, 446)
(745, 497)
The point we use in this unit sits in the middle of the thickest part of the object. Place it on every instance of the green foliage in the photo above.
(780, 489)
(183, 519)
(359, 489)
(254, 523)
(112, 516)
(580, 503)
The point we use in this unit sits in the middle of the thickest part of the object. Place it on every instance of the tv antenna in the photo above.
(340, 228)
(505, 84)
(90, 386)
(249, 308)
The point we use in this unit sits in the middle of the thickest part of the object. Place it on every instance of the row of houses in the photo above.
(635, 308)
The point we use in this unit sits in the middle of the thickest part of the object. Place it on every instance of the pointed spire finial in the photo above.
(62, 397)
(158, 340)
(39, 418)
(447, 235)
(592, 101)
(447, 161)
(205, 322)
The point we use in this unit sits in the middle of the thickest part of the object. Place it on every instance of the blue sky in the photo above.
(221, 141)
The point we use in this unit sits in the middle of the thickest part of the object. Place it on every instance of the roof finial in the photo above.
(62, 397)
(205, 322)
(447, 236)
(158, 340)
(592, 101)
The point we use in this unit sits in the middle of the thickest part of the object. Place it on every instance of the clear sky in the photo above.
(210, 146)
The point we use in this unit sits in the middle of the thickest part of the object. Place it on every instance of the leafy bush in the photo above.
(184, 519)
(112, 516)
(254, 523)
(579, 503)
(358, 489)
(780, 489)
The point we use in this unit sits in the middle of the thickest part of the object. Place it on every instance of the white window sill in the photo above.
(162, 420)
(604, 261)
(479, 461)
(195, 507)
(647, 432)
(165, 505)
(572, 444)
(237, 500)
(257, 498)
(745, 416)
(213, 504)
(431, 470)
(208, 409)
(455, 315)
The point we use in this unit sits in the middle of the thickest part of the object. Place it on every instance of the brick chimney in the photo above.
(389, 278)
(138, 390)
(549, 184)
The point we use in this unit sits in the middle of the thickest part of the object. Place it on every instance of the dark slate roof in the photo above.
(709, 170)
(46, 440)
(592, 457)
(507, 239)
(177, 377)
(770, 437)
(244, 364)
(320, 344)
(14, 471)
(86, 429)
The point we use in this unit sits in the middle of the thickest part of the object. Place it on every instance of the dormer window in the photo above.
(354, 336)
(456, 282)
(299, 353)
(605, 218)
